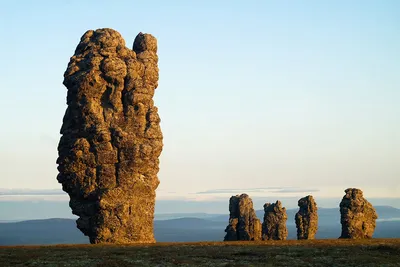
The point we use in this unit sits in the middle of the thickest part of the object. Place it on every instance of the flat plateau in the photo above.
(327, 252)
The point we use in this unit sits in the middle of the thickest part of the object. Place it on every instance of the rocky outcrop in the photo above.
(358, 216)
(307, 218)
(274, 225)
(243, 222)
(111, 137)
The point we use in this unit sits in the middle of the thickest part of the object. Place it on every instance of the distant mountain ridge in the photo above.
(326, 215)
(206, 227)
(20, 210)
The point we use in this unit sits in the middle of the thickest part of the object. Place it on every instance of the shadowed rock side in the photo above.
(307, 218)
(243, 222)
(111, 137)
(274, 225)
(358, 216)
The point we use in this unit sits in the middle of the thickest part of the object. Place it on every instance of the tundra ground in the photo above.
(329, 252)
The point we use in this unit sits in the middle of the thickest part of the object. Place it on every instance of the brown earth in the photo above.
(329, 252)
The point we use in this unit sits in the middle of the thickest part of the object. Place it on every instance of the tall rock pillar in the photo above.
(307, 218)
(243, 222)
(111, 137)
(274, 225)
(357, 215)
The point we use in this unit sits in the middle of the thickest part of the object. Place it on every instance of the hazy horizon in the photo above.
(274, 99)
(13, 210)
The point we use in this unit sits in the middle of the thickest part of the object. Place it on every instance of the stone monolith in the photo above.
(358, 216)
(243, 222)
(274, 225)
(111, 137)
(307, 218)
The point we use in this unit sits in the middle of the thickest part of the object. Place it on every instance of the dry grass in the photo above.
(373, 252)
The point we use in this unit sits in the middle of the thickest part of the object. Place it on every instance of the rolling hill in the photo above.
(183, 229)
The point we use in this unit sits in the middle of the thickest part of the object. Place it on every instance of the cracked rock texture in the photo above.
(358, 216)
(307, 218)
(274, 225)
(243, 222)
(111, 137)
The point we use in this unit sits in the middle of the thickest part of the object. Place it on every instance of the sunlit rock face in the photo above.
(274, 224)
(358, 216)
(307, 218)
(243, 222)
(111, 137)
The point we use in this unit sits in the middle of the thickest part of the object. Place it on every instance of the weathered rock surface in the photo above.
(358, 216)
(274, 225)
(307, 218)
(111, 137)
(243, 222)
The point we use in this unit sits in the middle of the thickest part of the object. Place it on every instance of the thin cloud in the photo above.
(48, 139)
(222, 191)
(272, 189)
(30, 192)
(296, 190)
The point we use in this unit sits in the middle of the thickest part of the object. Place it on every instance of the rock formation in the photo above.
(111, 137)
(307, 218)
(358, 216)
(243, 222)
(274, 225)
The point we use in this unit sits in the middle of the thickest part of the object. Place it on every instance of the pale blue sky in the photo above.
(298, 94)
